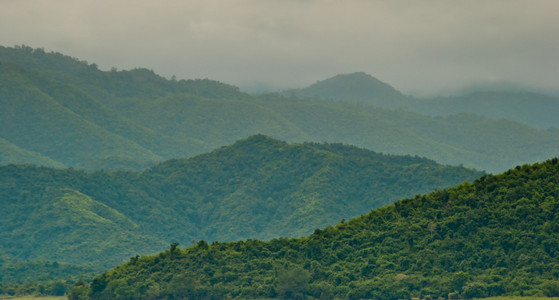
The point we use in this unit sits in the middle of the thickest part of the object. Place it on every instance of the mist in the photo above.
(421, 48)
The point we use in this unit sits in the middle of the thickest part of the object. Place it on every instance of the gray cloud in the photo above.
(418, 46)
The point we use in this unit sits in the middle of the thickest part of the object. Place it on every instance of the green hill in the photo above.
(355, 87)
(36, 117)
(477, 142)
(12, 154)
(262, 188)
(256, 188)
(60, 111)
(495, 236)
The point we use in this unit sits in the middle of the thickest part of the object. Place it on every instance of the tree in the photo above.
(432, 228)
(292, 283)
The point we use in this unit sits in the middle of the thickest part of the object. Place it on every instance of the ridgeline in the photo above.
(258, 187)
(496, 236)
(61, 112)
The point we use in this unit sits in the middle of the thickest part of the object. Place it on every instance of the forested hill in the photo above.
(66, 110)
(496, 236)
(60, 112)
(355, 87)
(256, 188)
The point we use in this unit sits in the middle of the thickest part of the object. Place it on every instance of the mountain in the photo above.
(507, 102)
(355, 87)
(258, 187)
(496, 236)
(262, 188)
(475, 141)
(531, 108)
(37, 117)
(61, 112)
(10, 153)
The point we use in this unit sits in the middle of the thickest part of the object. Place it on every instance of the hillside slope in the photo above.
(59, 108)
(12, 154)
(476, 142)
(527, 107)
(256, 188)
(39, 114)
(355, 87)
(263, 188)
(496, 236)
(507, 102)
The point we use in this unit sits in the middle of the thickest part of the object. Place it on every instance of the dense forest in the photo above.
(258, 187)
(61, 112)
(496, 236)
(100, 168)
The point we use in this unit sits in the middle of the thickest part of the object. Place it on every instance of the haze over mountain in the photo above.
(422, 48)
(59, 111)
(529, 107)
(497, 236)
(256, 188)
(127, 153)
(355, 87)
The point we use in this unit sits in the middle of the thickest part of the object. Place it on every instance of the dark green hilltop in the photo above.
(496, 236)
(258, 188)
(61, 112)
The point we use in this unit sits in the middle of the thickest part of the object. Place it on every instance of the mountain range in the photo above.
(256, 188)
(525, 106)
(102, 167)
(496, 236)
(58, 111)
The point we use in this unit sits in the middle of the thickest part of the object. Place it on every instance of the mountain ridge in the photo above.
(496, 236)
(258, 187)
(79, 116)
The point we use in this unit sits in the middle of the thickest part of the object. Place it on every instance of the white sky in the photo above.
(419, 47)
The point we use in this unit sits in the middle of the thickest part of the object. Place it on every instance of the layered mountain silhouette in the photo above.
(256, 188)
(61, 112)
(529, 107)
(495, 236)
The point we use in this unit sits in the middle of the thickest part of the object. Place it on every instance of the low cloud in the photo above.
(420, 47)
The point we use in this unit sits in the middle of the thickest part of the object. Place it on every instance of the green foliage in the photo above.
(292, 283)
(59, 111)
(258, 187)
(40, 278)
(495, 236)
(10, 153)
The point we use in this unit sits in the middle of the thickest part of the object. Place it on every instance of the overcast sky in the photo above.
(419, 47)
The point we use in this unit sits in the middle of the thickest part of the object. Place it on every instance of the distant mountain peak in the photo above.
(354, 75)
(356, 80)
(255, 142)
(355, 87)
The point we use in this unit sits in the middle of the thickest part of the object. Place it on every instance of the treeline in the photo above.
(37, 288)
(40, 278)
(496, 236)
